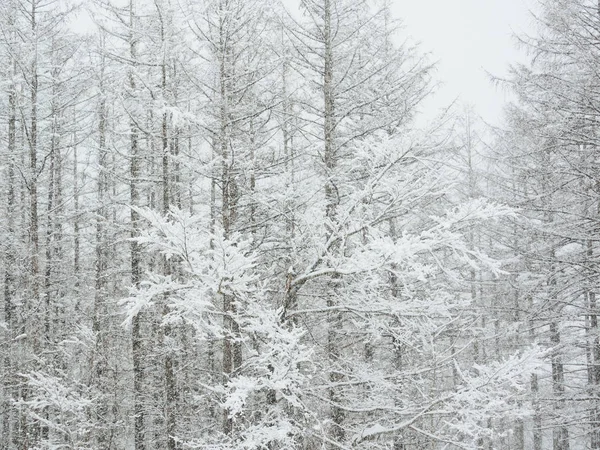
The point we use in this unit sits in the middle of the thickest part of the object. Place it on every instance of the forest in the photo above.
(223, 227)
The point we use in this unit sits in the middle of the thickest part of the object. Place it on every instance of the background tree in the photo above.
(224, 230)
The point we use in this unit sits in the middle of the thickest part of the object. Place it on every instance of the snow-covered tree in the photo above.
(222, 229)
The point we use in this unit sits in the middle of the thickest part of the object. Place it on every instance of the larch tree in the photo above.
(552, 131)
(222, 229)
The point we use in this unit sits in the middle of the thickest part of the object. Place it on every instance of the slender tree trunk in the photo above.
(33, 177)
(519, 423)
(288, 150)
(397, 346)
(210, 351)
(593, 352)
(134, 173)
(8, 424)
(232, 350)
(535, 392)
(76, 224)
(50, 240)
(50, 243)
(334, 319)
(169, 361)
(560, 438)
(99, 310)
(30, 436)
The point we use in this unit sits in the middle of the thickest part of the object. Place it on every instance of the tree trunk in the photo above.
(31, 436)
(560, 440)
(134, 173)
(535, 393)
(593, 340)
(169, 361)
(232, 350)
(9, 418)
(99, 311)
(334, 319)
(560, 433)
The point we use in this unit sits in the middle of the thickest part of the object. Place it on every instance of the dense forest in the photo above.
(221, 228)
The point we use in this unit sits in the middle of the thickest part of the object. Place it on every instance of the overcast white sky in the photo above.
(468, 37)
